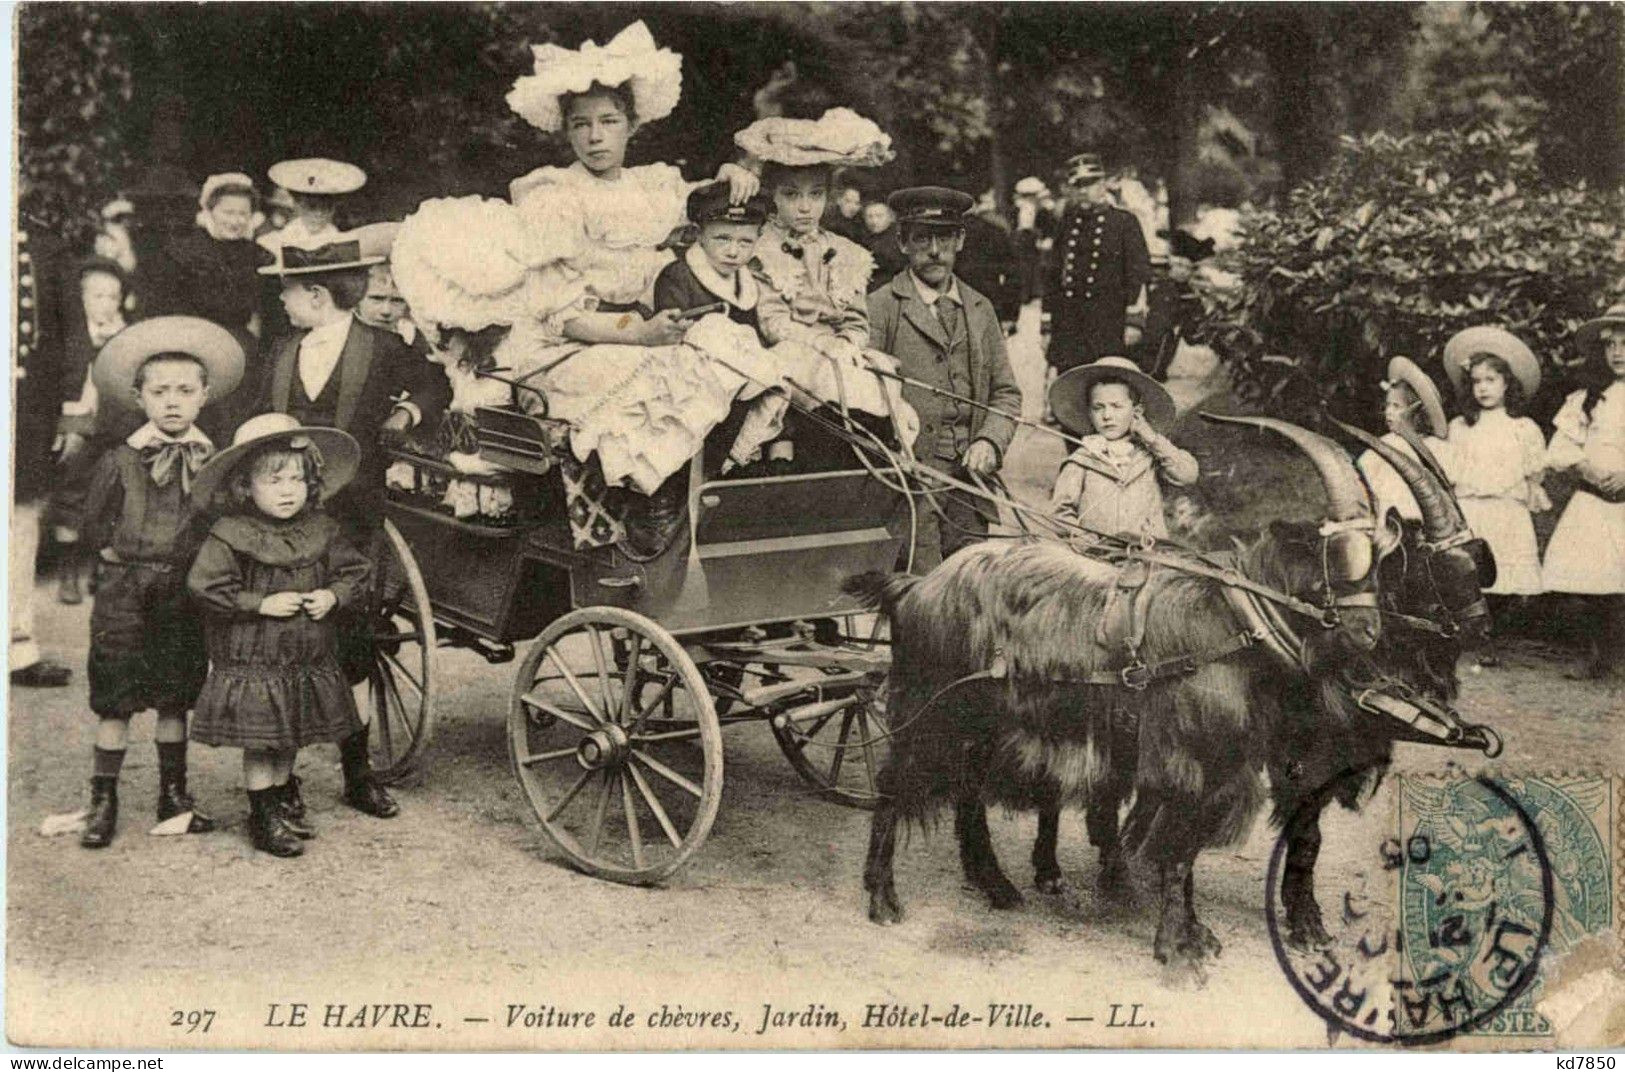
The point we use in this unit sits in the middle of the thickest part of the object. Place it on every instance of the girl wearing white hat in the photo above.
(1499, 455)
(1586, 555)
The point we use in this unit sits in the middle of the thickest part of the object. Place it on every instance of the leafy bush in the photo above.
(1400, 244)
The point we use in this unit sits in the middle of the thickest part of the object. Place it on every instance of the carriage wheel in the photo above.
(840, 751)
(605, 747)
(400, 686)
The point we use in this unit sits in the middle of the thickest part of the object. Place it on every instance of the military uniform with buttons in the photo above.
(1098, 267)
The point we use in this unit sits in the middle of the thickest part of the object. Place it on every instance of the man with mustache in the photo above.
(947, 335)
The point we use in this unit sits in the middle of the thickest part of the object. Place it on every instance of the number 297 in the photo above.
(192, 1021)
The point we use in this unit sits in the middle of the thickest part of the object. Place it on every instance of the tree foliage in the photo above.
(75, 150)
(1404, 242)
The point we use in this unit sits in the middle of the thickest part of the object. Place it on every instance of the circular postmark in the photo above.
(1442, 926)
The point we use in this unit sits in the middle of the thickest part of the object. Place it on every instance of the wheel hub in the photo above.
(604, 747)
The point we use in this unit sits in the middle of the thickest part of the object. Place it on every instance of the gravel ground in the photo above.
(459, 903)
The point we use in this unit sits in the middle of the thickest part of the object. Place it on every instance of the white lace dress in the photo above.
(644, 410)
(1587, 551)
(1496, 464)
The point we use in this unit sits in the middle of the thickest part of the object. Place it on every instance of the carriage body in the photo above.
(635, 662)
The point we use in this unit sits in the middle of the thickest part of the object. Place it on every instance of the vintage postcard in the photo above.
(816, 527)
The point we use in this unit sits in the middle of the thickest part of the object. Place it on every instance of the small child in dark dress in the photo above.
(269, 575)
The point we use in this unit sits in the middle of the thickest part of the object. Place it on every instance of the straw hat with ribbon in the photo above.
(1069, 394)
(115, 367)
(1498, 342)
(337, 454)
(1402, 370)
(341, 254)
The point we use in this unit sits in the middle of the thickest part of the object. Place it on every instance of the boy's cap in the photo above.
(710, 204)
(316, 175)
(338, 454)
(934, 206)
(334, 257)
(1031, 186)
(1069, 394)
(1085, 168)
(116, 364)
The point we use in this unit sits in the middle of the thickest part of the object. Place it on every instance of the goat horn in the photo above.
(1430, 497)
(1428, 459)
(1345, 491)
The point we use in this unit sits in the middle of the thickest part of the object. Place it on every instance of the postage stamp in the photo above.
(1460, 909)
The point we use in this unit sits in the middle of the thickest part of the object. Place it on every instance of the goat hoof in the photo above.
(1049, 883)
(1003, 895)
(884, 909)
(1065, 897)
(1200, 941)
(1307, 933)
(1113, 883)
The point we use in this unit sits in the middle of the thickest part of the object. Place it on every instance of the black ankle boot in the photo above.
(103, 817)
(361, 791)
(291, 806)
(293, 801)
(173, 799)
(266, 827)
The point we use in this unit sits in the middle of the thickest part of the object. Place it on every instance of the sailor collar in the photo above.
(713, 281)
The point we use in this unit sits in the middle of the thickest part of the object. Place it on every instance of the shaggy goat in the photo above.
(1191, 747)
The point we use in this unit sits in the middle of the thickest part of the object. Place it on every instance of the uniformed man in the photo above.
(947, 335)
(1098, 273)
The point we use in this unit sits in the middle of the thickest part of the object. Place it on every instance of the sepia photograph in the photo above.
(816, 526)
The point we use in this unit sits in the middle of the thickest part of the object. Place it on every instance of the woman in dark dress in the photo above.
(210, 272)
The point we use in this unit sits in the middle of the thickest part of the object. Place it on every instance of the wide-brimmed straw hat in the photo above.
(317, 175)
(341, 254)
(115, 367)
(1589, 334)
(1488, 339)
(1069, 394)
(338, 454)
(1404, 370)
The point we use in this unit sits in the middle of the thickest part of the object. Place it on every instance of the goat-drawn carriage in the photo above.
(639, 659)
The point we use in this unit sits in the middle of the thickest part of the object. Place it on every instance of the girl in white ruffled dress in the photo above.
(633, 394)
(1498, 456)
(1586, 555)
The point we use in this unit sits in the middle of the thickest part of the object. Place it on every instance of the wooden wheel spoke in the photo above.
(653, 801)
(803, 736)
(868, 747)
(379, 686)
(543, 757)
(575, 685)
(602, 665)
(649, 708)
(840, 747)
(399, 708)
(634, 672)
(417, 686)
(569, 795)
(580, 723)
(633, 831)
(672, 735)
(667, 773)
(600, 813)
